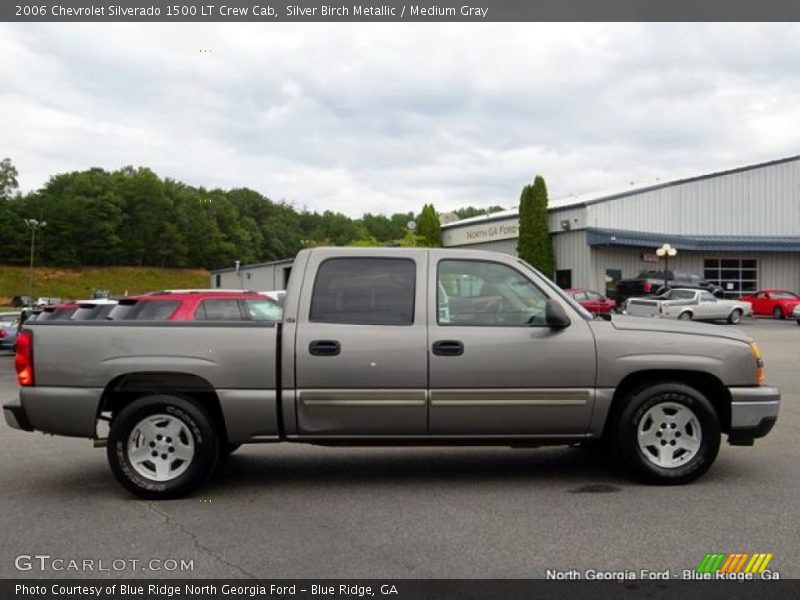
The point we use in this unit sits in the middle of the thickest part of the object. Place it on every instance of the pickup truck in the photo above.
(654, 283)
(689, 305)
(394, 346)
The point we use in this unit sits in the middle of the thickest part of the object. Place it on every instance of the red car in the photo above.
(198, 306)
(592, 301)
(778, 303)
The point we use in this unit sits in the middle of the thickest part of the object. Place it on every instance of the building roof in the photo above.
(254, 265)
(589, 198)
(706, 243)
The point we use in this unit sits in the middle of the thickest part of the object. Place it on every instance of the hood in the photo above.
(627, 323)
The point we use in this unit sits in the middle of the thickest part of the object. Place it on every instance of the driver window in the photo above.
(485, 293)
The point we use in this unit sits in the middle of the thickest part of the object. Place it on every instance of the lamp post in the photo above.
(666, 251)
(33, 225)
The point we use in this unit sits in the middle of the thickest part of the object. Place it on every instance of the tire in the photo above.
(735, 317)
(685, 316)
(167, 467)
(667, 415)
(777, 313)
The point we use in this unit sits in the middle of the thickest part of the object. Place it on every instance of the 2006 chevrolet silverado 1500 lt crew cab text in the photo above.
(395, 346)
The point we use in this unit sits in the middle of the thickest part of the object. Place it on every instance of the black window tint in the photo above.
(219, 310)
(153, 310)
(364, 291)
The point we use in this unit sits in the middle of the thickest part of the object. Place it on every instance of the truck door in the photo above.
(361, 345)
(495, 367)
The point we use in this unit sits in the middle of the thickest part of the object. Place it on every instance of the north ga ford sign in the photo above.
(481, 232)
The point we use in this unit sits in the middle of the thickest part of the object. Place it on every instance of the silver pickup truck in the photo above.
(400, 346)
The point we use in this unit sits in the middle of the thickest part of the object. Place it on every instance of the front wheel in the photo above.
(162, 446)
(668, 434)
(685, 316)
(777, 313)
(735, 317)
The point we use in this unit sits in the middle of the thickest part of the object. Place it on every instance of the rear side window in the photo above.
(219, 310)
(153, 310)
(364, 291)
(120, 311)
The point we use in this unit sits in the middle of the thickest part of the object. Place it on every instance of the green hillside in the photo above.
(72, 284)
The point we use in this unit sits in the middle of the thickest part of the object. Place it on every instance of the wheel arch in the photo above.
(706, 383)
(125, 388)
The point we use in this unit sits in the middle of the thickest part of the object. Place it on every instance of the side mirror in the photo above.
(555, 315)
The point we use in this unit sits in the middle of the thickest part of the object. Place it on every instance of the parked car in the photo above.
(796, 314)
(595, 303)
(57, 312)
(651, 283)
(363, 357)
(9, 323)
(20, 301)
(688, 305)
(777, 303)
(89, 310)
(197, 306)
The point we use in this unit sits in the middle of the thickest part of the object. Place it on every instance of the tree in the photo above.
(429, 227)
(8, 179)
(534, 244)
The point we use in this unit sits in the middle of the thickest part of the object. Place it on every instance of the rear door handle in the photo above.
(324, 348)
(448, 348)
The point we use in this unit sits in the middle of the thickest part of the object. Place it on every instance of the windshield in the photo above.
(560, 293)
(784, 296)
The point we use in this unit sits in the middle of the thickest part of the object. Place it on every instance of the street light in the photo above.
(33, 225)
(666, 251)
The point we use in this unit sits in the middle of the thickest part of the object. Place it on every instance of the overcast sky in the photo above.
(386, 117)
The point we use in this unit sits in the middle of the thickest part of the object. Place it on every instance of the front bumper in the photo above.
(754, 411)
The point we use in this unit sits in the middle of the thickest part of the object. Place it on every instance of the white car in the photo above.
(796, 314)
(689, 305)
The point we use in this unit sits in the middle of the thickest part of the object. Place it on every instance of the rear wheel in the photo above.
(668, 434)
(735, 317)
(777, 312)
(162, 446)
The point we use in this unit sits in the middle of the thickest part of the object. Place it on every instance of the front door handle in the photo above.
(448, 348)
(324, 348)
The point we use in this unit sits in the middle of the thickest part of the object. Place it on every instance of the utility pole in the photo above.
(33, 225)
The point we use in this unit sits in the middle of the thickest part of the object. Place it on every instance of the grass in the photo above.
(74, 284)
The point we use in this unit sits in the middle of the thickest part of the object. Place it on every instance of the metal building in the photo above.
(739, 228)
(259, 277)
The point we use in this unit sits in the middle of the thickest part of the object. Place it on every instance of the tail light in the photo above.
(647, 287)
(23, 358)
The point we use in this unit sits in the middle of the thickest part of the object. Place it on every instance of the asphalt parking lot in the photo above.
(296, 511)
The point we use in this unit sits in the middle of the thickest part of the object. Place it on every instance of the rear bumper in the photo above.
(61, 411)
(15, 416)
(754, 411)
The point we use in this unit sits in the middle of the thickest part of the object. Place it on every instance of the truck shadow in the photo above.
(589, 470)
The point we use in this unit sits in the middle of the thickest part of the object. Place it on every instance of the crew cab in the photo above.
(394, 346)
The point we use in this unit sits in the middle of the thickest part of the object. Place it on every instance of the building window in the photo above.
(217, 281)
(564, 278)
(736, 276)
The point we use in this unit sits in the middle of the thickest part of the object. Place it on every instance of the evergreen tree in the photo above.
(429, 227)
(534, 244)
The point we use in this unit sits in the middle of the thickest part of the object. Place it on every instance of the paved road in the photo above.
(294, 511)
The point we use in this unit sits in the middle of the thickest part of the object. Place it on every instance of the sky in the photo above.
(383, 118)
